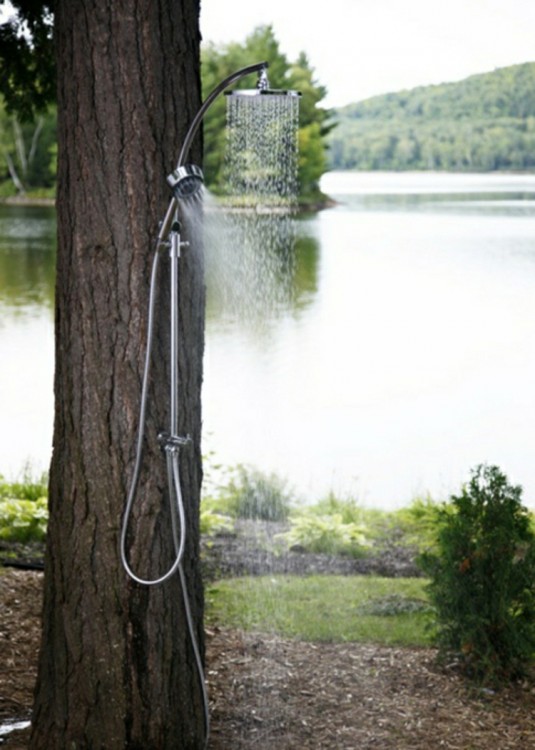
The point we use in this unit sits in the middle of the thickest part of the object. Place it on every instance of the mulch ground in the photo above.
(267, 692)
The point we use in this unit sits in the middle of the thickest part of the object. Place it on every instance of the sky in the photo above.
(361, 48)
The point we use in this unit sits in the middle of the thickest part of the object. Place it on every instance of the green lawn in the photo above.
(390, 611)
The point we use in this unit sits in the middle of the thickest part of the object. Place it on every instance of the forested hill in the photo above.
(485, 122)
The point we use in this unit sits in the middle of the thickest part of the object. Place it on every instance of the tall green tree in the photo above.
(315, 122)
(116, 669)
(315, 125)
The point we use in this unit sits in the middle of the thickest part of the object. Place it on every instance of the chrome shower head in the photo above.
(262, 87)
(262, 92)
(186, 181)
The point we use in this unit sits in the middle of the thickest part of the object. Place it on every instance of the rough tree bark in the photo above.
(116, 668)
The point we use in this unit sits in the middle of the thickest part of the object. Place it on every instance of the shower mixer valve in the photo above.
(170, 442)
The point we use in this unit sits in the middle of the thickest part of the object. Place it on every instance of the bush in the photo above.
(326, 534)
(347, 508)
(255, 495)
(483, 579)
(213, 522)
(417, 523)
(23, 520)
(24, 508)
(28, 487)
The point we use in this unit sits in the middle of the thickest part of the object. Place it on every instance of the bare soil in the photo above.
(272, 693)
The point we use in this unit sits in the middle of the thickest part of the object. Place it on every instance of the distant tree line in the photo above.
(486, 122)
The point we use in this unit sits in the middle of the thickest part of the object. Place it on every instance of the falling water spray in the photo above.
(186, 183)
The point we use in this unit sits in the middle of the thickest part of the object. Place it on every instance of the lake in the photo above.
(382, 347)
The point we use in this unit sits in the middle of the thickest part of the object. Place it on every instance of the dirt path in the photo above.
(276, 694)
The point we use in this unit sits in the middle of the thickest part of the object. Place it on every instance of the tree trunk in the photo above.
(116, 668)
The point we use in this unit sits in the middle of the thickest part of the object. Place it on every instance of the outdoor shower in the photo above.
(186, 183)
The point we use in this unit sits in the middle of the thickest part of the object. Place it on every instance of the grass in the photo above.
(389, 611)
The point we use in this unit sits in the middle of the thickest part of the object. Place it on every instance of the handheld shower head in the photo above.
(186, 181)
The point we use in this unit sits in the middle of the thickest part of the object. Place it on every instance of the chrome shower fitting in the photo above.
(186, 181)
(262, 84)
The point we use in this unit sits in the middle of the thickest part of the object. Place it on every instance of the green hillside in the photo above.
(485, 122)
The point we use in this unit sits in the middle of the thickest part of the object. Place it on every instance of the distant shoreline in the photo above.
(318, 205)
(17, 200)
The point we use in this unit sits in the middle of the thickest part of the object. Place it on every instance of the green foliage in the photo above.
(28, 89)
(417, 523)
(347, 508)
(328, 534)
(28, 487)
(27, 61)
(27, 152)
(315, 122)
(251, 494)
(24, 508)
(485, 122)
(483, 578)
(212, 521)
(325, 608)
(331, 526)
(23, 520)
(7, 189)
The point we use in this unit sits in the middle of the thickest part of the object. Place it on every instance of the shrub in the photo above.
(417, 523)
(23, 508)
(326, 534)
(28, 487)
(254, 495)
(483, 578)
(23, 520)
(347, 508)
(212, 522)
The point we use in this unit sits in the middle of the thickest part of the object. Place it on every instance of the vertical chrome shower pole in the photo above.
(174, 254)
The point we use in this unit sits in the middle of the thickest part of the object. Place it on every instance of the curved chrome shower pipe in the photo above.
(259, 68)
(256, 68)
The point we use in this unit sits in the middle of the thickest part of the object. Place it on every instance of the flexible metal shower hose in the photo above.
(178, 518)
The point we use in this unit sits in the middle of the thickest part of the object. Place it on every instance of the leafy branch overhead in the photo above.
(28, 88)
(27, 62)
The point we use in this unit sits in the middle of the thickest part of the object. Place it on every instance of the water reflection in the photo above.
(413, 359)
(391, 338)
(493, 204)
(460, 194)
(258, 268)
(27, 259)
(27, 268)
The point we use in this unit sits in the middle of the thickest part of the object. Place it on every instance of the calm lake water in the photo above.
(382, 347)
